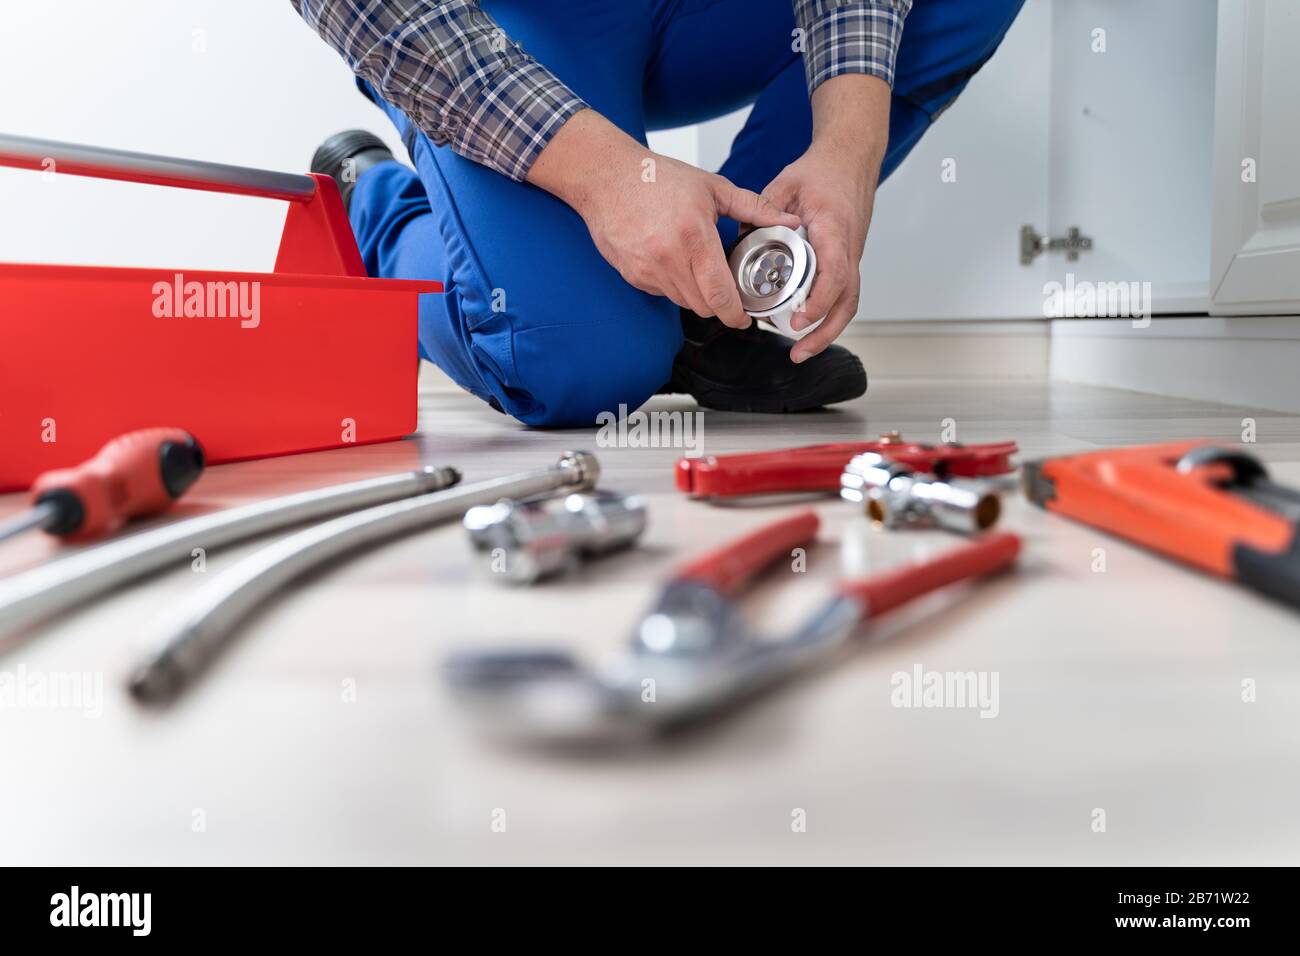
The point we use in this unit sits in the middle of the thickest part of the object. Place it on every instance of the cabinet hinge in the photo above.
(1033, 245)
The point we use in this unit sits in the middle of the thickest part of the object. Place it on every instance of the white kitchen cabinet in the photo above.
(1256, 232)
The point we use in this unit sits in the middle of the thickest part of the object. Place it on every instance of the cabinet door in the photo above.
(1256, 232)
(1132, 133)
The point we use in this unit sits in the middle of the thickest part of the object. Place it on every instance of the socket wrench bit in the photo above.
(895, 497)
(541, 539)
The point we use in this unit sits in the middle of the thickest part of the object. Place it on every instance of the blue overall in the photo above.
(534, 320)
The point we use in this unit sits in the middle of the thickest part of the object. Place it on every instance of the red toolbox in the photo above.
(313, 355)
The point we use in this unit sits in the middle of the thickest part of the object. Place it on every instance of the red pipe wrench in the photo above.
(818, 467)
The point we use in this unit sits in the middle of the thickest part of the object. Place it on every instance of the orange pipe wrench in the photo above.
(1211, 507)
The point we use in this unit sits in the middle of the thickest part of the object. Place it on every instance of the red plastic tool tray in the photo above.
(314, 355)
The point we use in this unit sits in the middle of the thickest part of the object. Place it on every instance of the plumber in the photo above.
(582, 270)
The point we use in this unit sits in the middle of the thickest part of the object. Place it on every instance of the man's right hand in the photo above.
(653, 218)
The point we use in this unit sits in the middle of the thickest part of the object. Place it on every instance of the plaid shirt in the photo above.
(448, 66)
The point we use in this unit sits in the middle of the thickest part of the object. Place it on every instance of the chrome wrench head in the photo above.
(544, 697)
(690, 655)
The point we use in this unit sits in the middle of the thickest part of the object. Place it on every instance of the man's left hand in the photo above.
(832, 189)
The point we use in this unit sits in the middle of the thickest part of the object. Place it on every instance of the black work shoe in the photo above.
(345, 156)
(749, 370)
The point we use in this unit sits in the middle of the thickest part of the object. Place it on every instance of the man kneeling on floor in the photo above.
(582, 270)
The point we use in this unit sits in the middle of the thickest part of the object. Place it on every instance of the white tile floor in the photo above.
(1119, 691)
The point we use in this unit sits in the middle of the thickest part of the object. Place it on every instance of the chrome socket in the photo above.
(538, 539)
(895, 497)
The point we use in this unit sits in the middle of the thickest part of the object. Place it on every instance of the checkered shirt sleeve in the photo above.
(453, 71)
(465, 83)
(850, 36)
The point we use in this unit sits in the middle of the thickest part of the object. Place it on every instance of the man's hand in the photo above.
(654, 219)
(832, 189)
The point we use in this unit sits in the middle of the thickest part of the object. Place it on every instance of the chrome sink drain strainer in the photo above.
(774, 269)
(770, 274)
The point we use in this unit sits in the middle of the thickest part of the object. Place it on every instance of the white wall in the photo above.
(254, 87)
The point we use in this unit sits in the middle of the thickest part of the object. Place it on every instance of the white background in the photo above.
(256, 87)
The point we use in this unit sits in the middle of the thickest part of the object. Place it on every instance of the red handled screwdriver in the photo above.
(137, 474)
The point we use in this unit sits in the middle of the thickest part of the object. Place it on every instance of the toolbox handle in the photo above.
(317, 237)
(41, 154)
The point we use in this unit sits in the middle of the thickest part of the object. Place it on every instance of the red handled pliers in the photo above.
(818, 467)
(693, 655)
